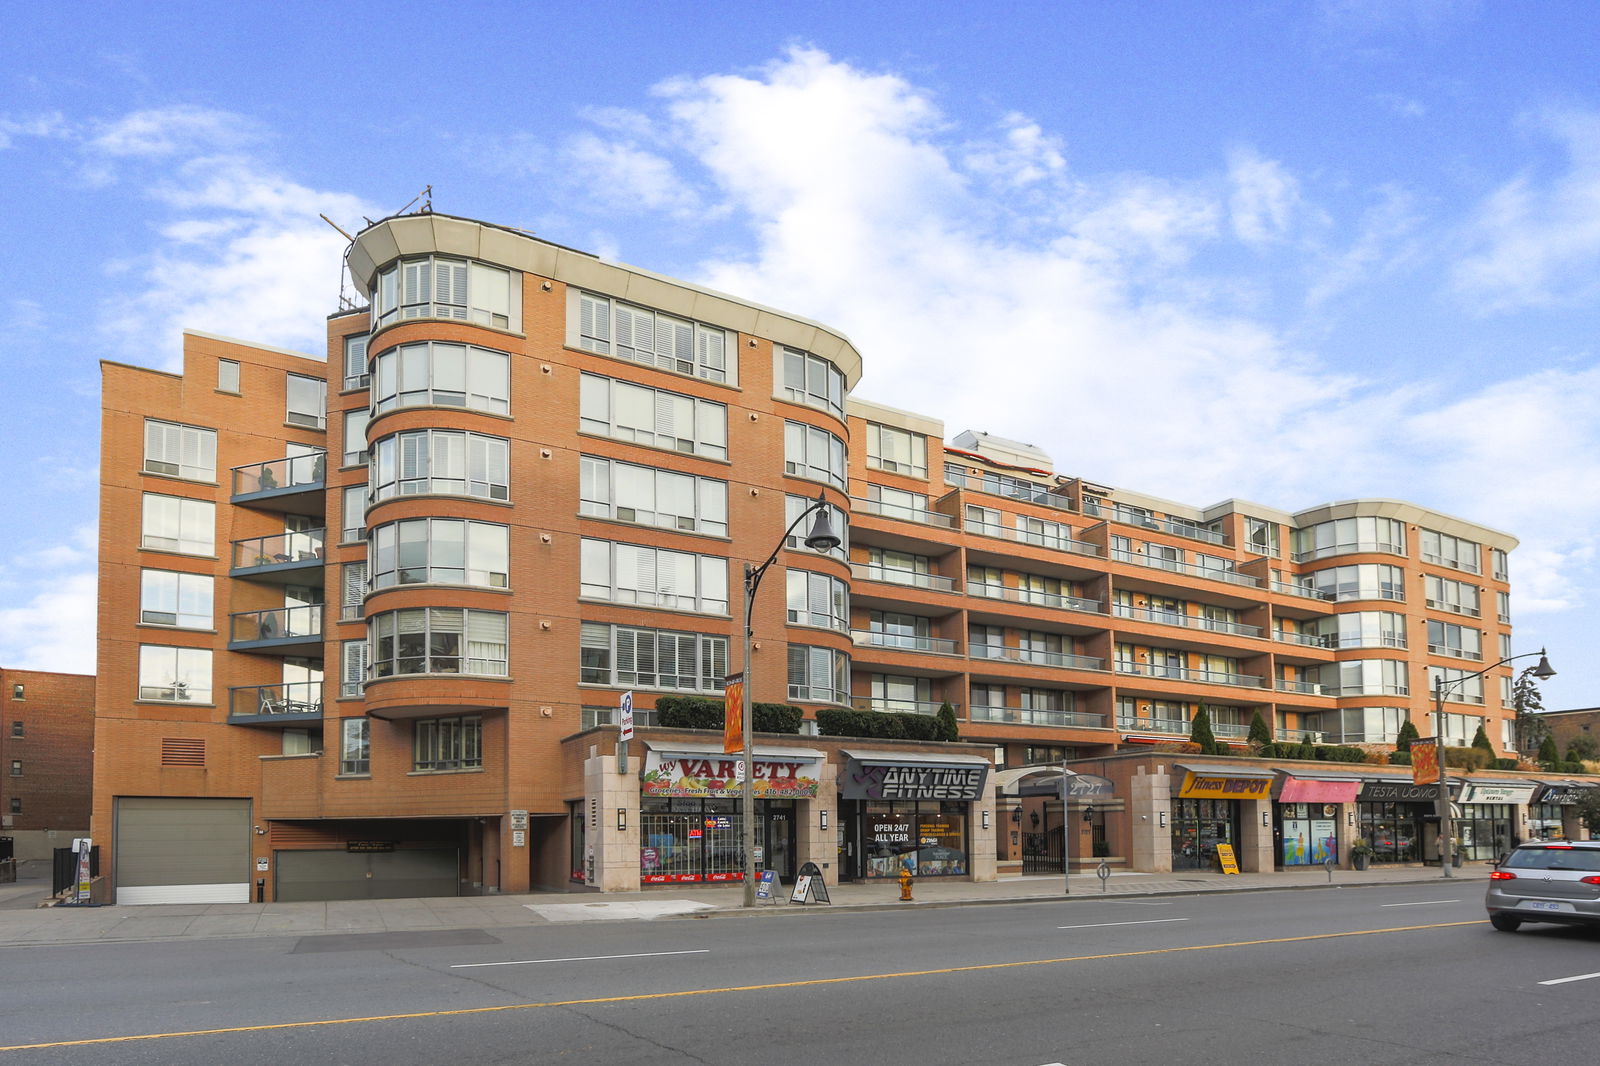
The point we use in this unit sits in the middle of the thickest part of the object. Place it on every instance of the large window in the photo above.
(897, 450)
(655, 417)
(352, 668)
(838, 521)
(180, 451)
(355, 747)
(442, 551)
(176, 675)
(812, 380)
(307, 403)
(611, 327)
(1455, 596)
(813, 453)
(818, 600)
(448, 743)
(654, 577)
(1366, 581)
(1360, 629)
(818, 675)
(626, 656)
(1459, 686)
(446, 375)
(1454, 552)
(1502, 566)
(1261, 536)
(1457, 641)
(437, 287)
(445, 461)
(174, 524)
(1360, 725)
(354, 585)
(353, 513)
(438, 640)
(653, 497)
(355, 362)
(1345, 535)
(167, 598)
(355, 436)
(1365, 677)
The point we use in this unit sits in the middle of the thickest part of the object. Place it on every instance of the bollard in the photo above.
(905, 884)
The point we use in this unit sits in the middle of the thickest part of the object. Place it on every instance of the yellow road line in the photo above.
(736, 988)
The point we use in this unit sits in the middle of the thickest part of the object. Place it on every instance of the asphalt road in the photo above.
(1401, 974)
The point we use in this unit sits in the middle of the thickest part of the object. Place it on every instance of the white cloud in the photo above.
(1263, 200)
(53, 628)
(181, 130)
(53, 125)
(629, 176)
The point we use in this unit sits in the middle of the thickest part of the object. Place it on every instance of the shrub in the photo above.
(1260, 735)
(843, 722)
(1403, 739)
(1399, 758)
(702, 712)
(1200, 732)
(1468, 758)
(1549, 754)
(948, 730)
(1506, 764)
(1480, 740)
(1341, 753)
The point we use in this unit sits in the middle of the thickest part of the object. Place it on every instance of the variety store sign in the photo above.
(717, 776)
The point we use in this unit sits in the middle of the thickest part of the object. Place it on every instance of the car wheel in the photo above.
(1505, 922)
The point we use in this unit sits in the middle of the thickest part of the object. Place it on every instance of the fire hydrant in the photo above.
(905, 884)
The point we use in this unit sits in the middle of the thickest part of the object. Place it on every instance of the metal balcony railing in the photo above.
(1177, 726)
(1034, 596)
(894, 575)
(1058, 542)
(890, 705)
(1037, 716)
(276, 623)
(295, 701)
(903, 642)
(1184, 673)
(902, 512)
(1233, 577)
(1189, 621)
(301, 546)
(299, 473)
(1035, 656)
(1309, 688)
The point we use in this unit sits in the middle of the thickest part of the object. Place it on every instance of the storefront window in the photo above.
(1484, 830)
(1309, 836)
(1393, 829)
(1544, 822)
(684, 841)
(928, 837)
(1198, 826)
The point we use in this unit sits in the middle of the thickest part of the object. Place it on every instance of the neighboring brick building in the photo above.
(46, 759)
(365, 621)
(1577, 723)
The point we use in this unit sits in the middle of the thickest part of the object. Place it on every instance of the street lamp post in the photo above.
(821, 538)
(1446, 829)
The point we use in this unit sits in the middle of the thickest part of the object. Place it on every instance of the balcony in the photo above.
(1454, 608)
(1173, 726)
(1001, 653)
(278, 705)
(902, 512)
(1290, 589)
(1290, 636)
(903, 642)
(1009, 487)
(287, 486)
(1038, 540)
(1309, 688)
(1034, 596)
(1037, 716)
(1175, 526)
(1184, 673)
(894, 575)
(1190, 621)
(1295, 736)
(1363, 640)
(1233, 577)
(278, 631)
(892, 705)
(281, 559)
(1362, 546)
(1454, 653)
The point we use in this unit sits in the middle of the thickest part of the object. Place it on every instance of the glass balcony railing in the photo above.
(902, 512)
(301, 546)
(1327, 550)
(1290, 636)
(1011, 488)
(1294, 736)
(1309, 688)
(1189, 621)
(1233, 577)
(1184, 673)
(283, 624)
(1035, 656)
(1289, 588)
(287, 703)
(1454, 653)
(903, 642)
(892, 705)
(1036, 538)
(1177, 527)
(894, 575)
(299, 474)
(1037, 716)
(1034, 596)
(1175, 726)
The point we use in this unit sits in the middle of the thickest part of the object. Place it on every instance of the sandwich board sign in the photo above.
(809, 887)
(1228, 861)
(764, 886)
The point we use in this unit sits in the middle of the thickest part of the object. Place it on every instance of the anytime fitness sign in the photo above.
(870, 780)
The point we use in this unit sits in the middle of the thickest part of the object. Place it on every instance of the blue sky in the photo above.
(1290, 253)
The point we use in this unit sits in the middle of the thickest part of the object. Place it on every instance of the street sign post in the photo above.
(625, 730)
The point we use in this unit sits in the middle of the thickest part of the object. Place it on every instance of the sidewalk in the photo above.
(21, 925)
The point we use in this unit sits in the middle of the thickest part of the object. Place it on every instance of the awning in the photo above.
(896, 775)
(1206, 781)
(1518, 792)
(1402, 790)
(1318, 788)
(1562, 793)
(704, 771)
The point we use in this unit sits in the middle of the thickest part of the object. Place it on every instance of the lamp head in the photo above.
(822, 538)
(1543, 671)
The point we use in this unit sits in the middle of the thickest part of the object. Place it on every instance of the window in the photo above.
(813, 453)
(167, 598)
(16, 767)
(838, 521)
(655, 417)
(1502, 564)
(17, 729)
(438, 640)
(1345, 535)
(1043, 533)
(180, 451)
(812, 380)
(818, 600)
(818, 675)
(626, 656)
(1455, 596)
(893, 630)
(353, 510)
(227, 375)
(1459, 685)
(1454, 552)
(355, 746)
(898, 451)
(1447, 638)
(18, 692)
(1505, 645)
(174, 674)
(355, 362)
(444, 375)
(441, 551)
(16, 804)
(1503, 607)
(1366, 581)
(1360, 629)
(1364, 677)
(355, 436)
(985, 520)
(353, 583)
(173, 524)
(654, 577)
(448, 743)
(611, 327)
(893, 693)
(1459, 729)
(437, 287)
(1261, 536)
(444, 461)
(352, 668)
(897, 503)
(307, 402)
(653, 497)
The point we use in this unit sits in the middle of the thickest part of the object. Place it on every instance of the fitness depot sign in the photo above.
(865, 778)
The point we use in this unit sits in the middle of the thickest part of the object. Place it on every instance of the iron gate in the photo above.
(1041, 853)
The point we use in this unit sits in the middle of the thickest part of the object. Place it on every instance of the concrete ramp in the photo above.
(628, 910)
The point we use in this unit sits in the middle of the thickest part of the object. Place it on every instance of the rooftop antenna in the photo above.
(346, 301)
(426, 196)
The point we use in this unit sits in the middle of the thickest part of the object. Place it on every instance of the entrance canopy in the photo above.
(893, 775)
(1298, 787)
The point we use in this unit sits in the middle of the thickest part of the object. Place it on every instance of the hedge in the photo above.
(701, 712)
(878, 725)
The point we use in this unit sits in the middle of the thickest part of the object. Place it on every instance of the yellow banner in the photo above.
(1200, 786)
(733, 724)
(1424, 762)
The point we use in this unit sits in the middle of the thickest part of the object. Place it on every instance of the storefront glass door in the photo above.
(1198, 826)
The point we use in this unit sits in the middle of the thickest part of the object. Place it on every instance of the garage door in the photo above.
(408, 874)
(183, 850)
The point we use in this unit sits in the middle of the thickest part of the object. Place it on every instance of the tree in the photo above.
(1408, 733)
(947, 722)
(1480, 739)
(1580, 747)
(1259, 733)
(1528, 704)
(1200, 732)
(1588, 808)
(1549, 754)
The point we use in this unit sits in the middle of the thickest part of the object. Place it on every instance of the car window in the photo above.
(1586, 859)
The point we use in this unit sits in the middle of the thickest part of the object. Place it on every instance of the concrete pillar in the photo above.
(616, 852)
(1149, 806)
(812, 842)
(982, 851)
(1255, 839)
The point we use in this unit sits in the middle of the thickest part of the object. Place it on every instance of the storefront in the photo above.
(1400, 819)
(1488, 820)
(907, 811)
(1205, 810)
(691, 812)
(1551, 810)
(1306, 816)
